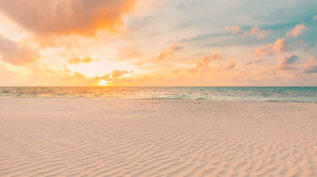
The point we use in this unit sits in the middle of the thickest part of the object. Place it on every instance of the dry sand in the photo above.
(95, 137)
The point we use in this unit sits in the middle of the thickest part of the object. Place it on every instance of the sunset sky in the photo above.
(158, 43)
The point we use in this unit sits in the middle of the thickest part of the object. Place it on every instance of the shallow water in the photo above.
(274, 94)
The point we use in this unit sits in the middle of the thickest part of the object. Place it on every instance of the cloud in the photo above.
(83, 17)
(296, 31)
(285, 63)
(229, 65)
(16, 53)
(118, 73)
(279, 46)
(255, 31)
(282, 44)
(76, 61)
(204, 63)
(233, 29)
(43, 75)
(7, 76)
(258, 32)
(169, 52)
(264, 51)
(115, 76)
(311, 66)
(252, 61)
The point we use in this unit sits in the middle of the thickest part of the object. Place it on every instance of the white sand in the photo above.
(95, 137)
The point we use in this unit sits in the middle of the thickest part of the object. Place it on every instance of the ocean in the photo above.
(269, 94)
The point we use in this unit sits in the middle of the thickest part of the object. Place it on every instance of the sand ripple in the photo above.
(156, 138)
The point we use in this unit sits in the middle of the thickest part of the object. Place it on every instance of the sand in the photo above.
(99, 137)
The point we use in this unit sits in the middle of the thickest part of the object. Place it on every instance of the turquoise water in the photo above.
(274, 94)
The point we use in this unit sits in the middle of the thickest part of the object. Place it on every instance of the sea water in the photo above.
(273, 94)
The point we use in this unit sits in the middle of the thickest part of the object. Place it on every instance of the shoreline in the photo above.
(156, 99)
(252, 94)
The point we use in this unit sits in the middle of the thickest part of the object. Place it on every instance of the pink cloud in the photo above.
(16, 53)
(83, 17)
(264, 51)
(279, 46)
(258, 32)
(296, 31)
(311, 66)
(169, 52)
(233, 29)
(204, 63)
(230, 65)
(285, 63)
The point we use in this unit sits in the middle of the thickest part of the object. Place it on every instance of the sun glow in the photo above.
(100, 68)
(103, 83)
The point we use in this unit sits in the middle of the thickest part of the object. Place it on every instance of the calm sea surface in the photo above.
(274, 94)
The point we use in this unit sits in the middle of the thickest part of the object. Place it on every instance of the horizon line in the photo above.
(145, 86)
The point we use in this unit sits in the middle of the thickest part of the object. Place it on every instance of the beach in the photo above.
(154, 137)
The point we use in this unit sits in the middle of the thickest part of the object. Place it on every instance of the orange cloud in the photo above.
(168, 52)
(229, 65)
(258, 32)
(280, 45)
(115, 76)
(311, 65)
(270, 49)
(233, 29)
(75, 61)
(83, 17)
(249, 62)
(285, 63)
(296, 31)
(7, 77)
(16, 53)
(204, 64)
(118, 73)
(264, 51)
(43, 75)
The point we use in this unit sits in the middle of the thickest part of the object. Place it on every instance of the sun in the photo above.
(103, 82)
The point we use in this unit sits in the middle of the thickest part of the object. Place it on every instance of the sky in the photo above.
(158, 43)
